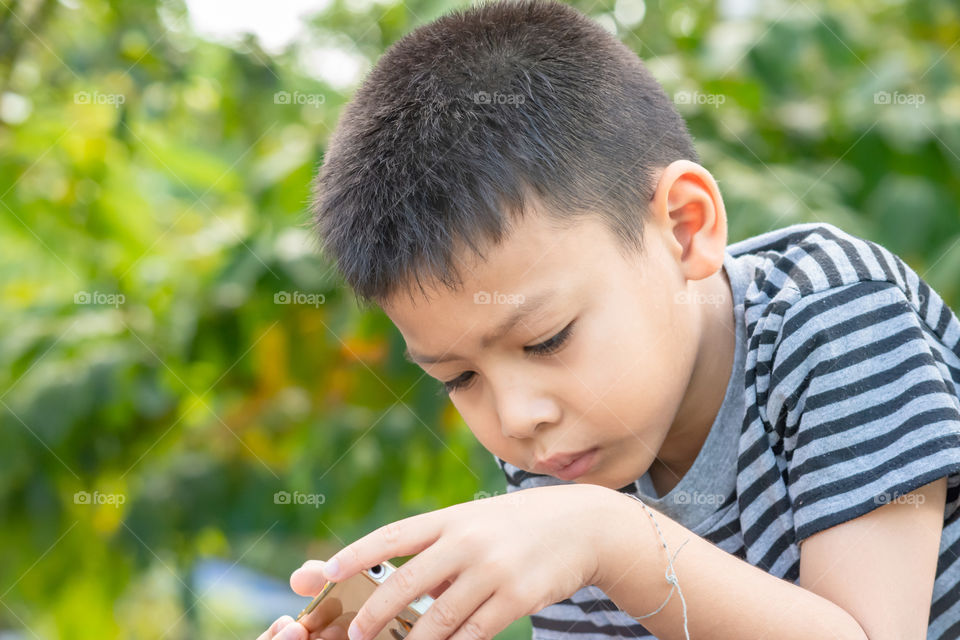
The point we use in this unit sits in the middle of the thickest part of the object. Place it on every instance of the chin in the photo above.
(595, 479)
(614, 483)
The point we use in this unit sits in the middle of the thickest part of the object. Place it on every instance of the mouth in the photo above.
(568, 466)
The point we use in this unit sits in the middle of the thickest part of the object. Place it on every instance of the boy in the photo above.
(518, 195)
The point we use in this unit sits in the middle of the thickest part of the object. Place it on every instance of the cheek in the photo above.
(637, 379)
(639, 362)
(482, 421)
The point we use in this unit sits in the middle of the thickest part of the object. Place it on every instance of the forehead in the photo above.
(539, 263)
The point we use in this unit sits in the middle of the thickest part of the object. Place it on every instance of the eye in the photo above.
(459, 382)
(553, 344)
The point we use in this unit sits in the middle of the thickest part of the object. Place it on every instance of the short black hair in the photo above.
(465, 118)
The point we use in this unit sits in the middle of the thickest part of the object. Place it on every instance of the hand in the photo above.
(327, 622)
(486, 562)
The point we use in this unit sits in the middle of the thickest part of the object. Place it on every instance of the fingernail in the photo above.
(289, 632)
(280, 623)
(354, 632)
(330, 570)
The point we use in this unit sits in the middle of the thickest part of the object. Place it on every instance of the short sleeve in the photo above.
(863, 398)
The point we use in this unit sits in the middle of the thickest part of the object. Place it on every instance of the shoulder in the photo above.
(831, 315)
(853, 373)
(803, 259)
(817, 271)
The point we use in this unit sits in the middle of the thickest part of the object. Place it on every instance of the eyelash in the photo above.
(547, 347)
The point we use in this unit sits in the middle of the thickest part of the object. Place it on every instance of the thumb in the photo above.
(293, 631)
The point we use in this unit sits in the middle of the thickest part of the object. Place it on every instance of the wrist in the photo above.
(626, 535)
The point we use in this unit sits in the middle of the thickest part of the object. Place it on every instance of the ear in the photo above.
(688, 209)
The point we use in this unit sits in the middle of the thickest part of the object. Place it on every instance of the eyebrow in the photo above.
(531, 305)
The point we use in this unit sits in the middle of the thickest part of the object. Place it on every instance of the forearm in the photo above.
(725, 596)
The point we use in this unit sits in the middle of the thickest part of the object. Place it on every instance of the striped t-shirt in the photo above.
(844, 395)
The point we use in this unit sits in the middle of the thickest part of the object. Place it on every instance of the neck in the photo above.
(708, 381)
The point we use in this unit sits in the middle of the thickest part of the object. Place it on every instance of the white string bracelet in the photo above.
(670, 573)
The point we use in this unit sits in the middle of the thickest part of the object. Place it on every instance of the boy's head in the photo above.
(516, 153)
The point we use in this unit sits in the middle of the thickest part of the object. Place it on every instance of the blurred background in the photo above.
(191, 404)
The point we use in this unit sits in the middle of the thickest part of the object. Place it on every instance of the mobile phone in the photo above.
(354, 591)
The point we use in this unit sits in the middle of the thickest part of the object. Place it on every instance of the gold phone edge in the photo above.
(320, 596)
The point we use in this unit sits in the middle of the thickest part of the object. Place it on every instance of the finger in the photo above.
(401, 538)
(490, 618)
(333, 632)
(448, 612)
(323, 615)
(412, 579)
(336, 630)
(308, 580)
(292, 631)
(272, 630)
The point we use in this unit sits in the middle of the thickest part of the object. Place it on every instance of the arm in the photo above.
(881, 566)
(726, 597)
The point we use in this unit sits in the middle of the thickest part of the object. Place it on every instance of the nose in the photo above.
(523, 408)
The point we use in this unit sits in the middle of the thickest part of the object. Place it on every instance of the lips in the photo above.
(558, 462)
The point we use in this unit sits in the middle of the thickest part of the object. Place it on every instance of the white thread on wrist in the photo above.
(670, 573)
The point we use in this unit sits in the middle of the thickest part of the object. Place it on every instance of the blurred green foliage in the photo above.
(173, 353)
